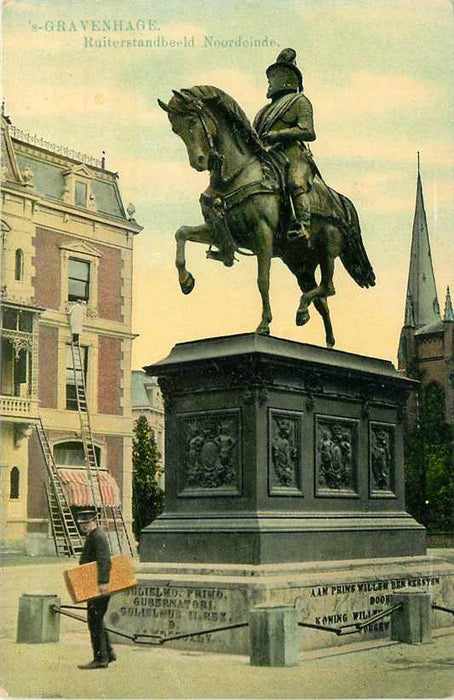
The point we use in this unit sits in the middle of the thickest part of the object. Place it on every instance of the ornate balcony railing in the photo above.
(34, 140)
(19, 406)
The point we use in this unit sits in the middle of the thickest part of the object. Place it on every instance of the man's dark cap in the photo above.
(287, 59)
(84, 516)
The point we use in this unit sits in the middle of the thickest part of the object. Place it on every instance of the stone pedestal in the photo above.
(36, 623)
(278, 451)
(284, 486)
(412, 624)
(172, 599)
(273, 635)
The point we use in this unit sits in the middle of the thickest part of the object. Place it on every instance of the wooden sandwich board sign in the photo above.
(82, 581)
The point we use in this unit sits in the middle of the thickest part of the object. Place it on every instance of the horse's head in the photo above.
(191, 120)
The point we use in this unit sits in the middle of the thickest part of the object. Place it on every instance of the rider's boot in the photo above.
(300, 226)
(226, 257)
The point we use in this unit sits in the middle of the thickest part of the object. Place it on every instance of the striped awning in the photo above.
(79, 492)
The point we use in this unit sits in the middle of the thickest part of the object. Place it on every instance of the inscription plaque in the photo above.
(350, 602)
(168, 610)
(330, 597)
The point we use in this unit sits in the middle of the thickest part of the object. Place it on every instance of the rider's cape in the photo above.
(271, 113)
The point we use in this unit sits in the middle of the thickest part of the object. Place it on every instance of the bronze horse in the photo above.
(245, 207)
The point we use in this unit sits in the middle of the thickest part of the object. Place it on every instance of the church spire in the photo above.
(449, 311)
(409, 313)
(422, 302)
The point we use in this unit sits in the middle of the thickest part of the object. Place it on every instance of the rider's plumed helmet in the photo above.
(284, 75)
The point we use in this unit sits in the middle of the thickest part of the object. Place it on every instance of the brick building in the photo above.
(426, 348)
(65, 238)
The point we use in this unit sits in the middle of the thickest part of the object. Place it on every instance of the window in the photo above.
(22, 373)
(19, 268)
(80, 193)
(71, 454)
(17, 320)
(79, 263)
(71, 394)
(14, 478)
(16, 361)
(10, 319)
(78, 280)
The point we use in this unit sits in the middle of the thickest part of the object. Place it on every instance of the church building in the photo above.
(426, 348)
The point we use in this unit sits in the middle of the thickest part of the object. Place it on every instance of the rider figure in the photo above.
(286, 124)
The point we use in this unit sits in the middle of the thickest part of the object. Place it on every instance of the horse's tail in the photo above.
(354, 256)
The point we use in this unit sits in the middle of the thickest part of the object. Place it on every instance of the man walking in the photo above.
(96, 549)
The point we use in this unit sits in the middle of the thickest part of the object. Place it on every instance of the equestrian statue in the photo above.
(266, 196)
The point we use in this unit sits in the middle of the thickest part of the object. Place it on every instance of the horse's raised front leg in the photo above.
(196, 234)
(264, 255)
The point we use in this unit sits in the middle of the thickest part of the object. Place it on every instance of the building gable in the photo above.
(10, 167)
(81, 247)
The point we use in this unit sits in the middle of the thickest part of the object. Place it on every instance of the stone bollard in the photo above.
(273, 635)
(36, 623)
(412, 624)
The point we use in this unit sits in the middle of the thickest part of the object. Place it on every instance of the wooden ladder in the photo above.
(91, 463)
(67, 539)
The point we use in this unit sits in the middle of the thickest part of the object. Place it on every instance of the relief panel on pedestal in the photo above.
(284, 456)
(382, 460)
(336, 457)
(210, 456)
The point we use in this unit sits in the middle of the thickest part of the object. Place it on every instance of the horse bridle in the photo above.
(196, 106)
(215, 158)
(199, 112)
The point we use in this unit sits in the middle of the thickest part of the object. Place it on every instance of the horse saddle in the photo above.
(323, 202)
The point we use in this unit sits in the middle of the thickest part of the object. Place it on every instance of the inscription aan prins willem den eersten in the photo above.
(369, 586)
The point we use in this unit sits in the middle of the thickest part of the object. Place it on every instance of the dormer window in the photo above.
(80, 194)
(78, 280)
(77, 188)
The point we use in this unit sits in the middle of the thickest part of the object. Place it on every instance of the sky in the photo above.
(379, 74)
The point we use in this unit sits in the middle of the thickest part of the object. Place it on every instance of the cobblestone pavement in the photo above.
(50, 670)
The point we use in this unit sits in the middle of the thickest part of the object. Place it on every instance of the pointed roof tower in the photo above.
(449, 311)
(422, 301)
(409, 313)
(10, 168)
